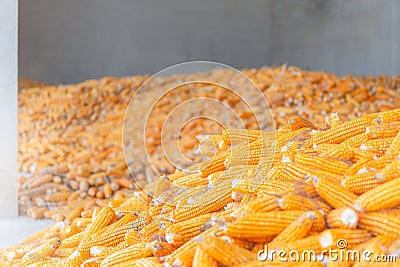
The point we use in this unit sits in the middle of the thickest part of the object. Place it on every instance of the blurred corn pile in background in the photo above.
(70, 152)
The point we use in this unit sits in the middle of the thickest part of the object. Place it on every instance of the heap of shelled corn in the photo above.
(328, 181)
(70, 155)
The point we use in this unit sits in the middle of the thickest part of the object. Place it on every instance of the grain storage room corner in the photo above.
(199, 133)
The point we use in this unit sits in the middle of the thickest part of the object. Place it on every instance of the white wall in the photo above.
(8, 107)
(70, 41)
(340, 36)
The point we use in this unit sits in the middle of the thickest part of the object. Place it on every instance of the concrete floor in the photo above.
(13, 230)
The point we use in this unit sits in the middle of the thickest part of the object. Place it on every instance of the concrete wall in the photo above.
(8, 107)
(339, 36)
(69, 41)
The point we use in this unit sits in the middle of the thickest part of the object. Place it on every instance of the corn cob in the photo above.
(333, 193)
(381, 197)
(378, 223)
(343, 218)
(267, 224)
(201, 258)
(130, 253)
(224, 252)
(296, 230)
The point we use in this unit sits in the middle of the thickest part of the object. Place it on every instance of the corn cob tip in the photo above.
(236, 182)
(357, 207)
(326, 239)
(199, 239)
(349, 217)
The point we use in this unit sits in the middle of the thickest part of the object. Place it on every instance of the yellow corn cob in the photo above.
(362, 182)
(145, 262)
(262, 204)
(101, 252)
(180, 256)
(201, 258)
(388, 116)
(344, 131)
(220, 199)
(384, 241)
(210, 166)
(260, 151)
(224, 252)
(308, 243)
(161, 249)
(341, 151)
(294, 202)
(191, 180)
(41, 253)
(356, 141)
(383, 130)
(145, 234)
(381, 197)
(377, 146)
(68, 231)
(125, 219)
(343, 218)
(267, 224)
(390, 172)
(298, 229)
(234, 136)
(322, 163)
(72, 241)
(130, 253)
(331, 238)
(297, 122)
(62, 253)
(104, 218)
(378, 223)
(184, 258)
(333, 193)
(394, 147)
(181, 232)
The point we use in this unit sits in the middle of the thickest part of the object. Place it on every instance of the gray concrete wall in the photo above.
(340, 36)
(70, 41)
(8, 107)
